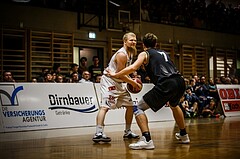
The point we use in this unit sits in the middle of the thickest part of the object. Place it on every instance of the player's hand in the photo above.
(110, 73)
(136, 85)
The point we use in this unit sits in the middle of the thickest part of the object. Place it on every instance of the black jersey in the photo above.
(159, 65)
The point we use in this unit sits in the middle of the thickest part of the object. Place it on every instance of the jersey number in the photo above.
(164, 55)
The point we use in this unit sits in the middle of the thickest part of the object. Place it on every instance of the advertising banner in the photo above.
(32, 106)
(36, 106)
(230, 99)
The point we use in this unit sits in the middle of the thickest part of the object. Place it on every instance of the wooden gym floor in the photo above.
(211, 138)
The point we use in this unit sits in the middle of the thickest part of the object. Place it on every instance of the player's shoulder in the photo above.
(121, 54)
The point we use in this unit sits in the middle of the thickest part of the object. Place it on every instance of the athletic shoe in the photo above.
(184, 139)
(128, 134)
(101, 137)
(142, 144)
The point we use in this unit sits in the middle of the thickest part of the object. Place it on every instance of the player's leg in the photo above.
(179, 118)
(128, 134)
(145, 141)
(178, 86)
(100, 136)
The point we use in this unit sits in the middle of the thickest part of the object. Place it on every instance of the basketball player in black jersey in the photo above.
(169, 88)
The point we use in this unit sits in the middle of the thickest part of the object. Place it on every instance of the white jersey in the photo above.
(113, 91)
(112, 66)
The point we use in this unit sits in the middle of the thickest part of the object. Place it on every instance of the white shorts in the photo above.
(114, 94)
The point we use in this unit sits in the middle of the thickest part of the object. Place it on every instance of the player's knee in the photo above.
(137, 111)
(140, 108)
(105, 109)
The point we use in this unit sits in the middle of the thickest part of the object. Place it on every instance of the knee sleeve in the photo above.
(140, 107)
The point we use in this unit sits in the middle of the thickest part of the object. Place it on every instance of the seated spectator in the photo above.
(74, 78)
(74, 69)
(187, 82)
(183, 104)
(85, 77)
(193, 101)
(217, 80)
(228, 80)
(235, 81)
(202, 92)
(59, 79)
(98, 78)
(210, 110)
(7, 76)
(54, 76)
(212, 89)
(49, 77)
(34, 80)
(192, 85)
(223, 79)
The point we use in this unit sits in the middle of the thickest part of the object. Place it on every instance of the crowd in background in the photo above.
(215, 16)
(212, 15)
(199, 100)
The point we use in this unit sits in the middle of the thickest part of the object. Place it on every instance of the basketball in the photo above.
(130, 87)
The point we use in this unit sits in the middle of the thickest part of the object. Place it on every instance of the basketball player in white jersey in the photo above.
(113, 93)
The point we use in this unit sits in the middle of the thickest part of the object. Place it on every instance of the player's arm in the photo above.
(121, 60)
(130, 69)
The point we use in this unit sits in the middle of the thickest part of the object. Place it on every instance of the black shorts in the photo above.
(168, 90)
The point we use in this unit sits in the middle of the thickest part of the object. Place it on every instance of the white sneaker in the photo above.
(128, 134)
(142, 144)
(184, 139)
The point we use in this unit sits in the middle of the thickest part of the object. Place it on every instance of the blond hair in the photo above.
(125, 36)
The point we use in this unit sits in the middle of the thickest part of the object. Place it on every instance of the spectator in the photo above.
(49, 77)
(95, 68)
(74, 69)
(192, 85)
(7, 76)
(212, 88)
(232, 69)
(235, 81)
(98, 78)
(193, 101)
(210, 110)
(202, 92)
(83, 65)
(41, 77)
(228, 80)
(54, 76)
(197, 80)
(217, 80)
(57, 69)
(223, 79)
(85, 77)
(34, 80)
(74, 78)
(187, 82)
(60, 78)
(183, 104)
